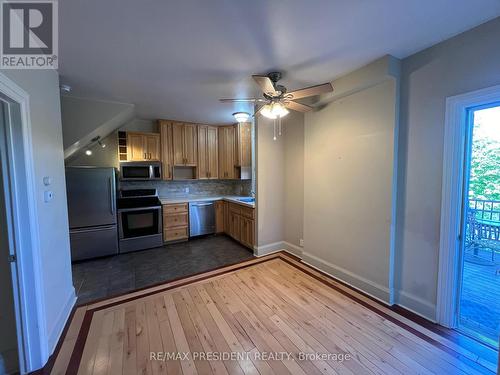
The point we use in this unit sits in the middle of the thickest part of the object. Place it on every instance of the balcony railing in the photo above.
(483, 227)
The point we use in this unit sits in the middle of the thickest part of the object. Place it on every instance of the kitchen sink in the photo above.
(246, 200)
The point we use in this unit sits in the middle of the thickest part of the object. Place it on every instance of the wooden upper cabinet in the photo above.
(143, 146)
(190, 144)
(166, 154)
(153, 150)
(213, 152)
(202, 152)
(244, 144)
(135, 147)
(207, 152)
(227, 152)
(178, 143)
(184, 144)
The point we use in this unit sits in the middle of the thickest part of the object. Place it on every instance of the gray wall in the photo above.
(467, 62)
(293, 195)
(270, 183)
(348, 192)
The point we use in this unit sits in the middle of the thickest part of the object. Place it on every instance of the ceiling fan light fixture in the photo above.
(241, 116)
(274, 110)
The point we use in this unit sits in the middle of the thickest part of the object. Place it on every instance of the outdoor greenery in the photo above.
(485, 168)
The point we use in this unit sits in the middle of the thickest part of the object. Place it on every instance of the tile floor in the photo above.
(106, 277)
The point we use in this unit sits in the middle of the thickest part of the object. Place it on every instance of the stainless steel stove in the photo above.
(139, 220)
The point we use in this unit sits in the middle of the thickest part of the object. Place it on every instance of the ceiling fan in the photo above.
(277, 95)
(276, 100)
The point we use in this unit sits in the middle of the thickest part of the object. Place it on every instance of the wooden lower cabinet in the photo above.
(239, 223)
(219, 216)
(175, 222)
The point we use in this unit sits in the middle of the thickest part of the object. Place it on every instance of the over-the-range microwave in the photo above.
(140, 170)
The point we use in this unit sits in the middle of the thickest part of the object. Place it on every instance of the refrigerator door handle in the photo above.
(111, 196)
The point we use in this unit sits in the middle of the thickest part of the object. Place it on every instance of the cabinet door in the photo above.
(226, 152)
(135, 147)
(152, 146)
(234, 225)
(247, 232)
(190, 144)
(219, 217)
(244, 143)
(178, 143)
(212, 154)
(203, 167)
(166, 149)
(226, 216)
(230, 151)
(222, 152)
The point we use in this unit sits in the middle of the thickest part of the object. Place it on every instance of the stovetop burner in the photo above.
(138, 198)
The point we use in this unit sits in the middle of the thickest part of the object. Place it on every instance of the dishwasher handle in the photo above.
(202, 204)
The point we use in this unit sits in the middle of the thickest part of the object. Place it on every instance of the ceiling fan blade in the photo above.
(265, 84)
(247, 100)
(311, 91)
(298, 106)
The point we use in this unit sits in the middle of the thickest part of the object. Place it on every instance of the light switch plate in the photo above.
(301, 242)
(48, 196)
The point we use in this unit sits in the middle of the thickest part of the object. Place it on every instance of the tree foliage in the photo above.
(484, 180)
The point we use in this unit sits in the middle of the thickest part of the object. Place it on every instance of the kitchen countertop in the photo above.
(201, 198)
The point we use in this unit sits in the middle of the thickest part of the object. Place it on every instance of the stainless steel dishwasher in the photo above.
(201, 218)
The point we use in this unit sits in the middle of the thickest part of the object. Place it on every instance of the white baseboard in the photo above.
(293, 249)
(358, 282)
(416, 305)
(275, 247)
(63, 317)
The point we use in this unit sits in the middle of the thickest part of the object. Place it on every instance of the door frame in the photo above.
(453, 183)
(20, 192)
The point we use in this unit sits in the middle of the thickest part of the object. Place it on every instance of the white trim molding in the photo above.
(452, 198)
(375, 290)
(274, 247)
(63, 317)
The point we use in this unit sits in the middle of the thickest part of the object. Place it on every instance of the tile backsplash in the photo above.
(172, 189)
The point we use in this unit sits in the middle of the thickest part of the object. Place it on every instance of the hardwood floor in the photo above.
(272, 315)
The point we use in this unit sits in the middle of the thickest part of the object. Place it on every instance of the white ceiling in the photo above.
(175, 59)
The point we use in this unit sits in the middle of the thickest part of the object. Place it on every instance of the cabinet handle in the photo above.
(145, 157)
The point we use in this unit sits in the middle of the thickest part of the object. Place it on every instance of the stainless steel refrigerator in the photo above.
(91, 193)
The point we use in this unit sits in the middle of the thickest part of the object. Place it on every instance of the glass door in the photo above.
(479, 304)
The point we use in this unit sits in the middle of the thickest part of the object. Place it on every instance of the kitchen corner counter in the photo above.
(197, 198)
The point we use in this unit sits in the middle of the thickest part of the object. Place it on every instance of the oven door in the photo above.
(139, 222)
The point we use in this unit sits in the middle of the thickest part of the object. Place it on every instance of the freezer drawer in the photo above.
(93, 242)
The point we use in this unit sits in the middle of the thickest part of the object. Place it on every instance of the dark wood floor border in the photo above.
(77, 353)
